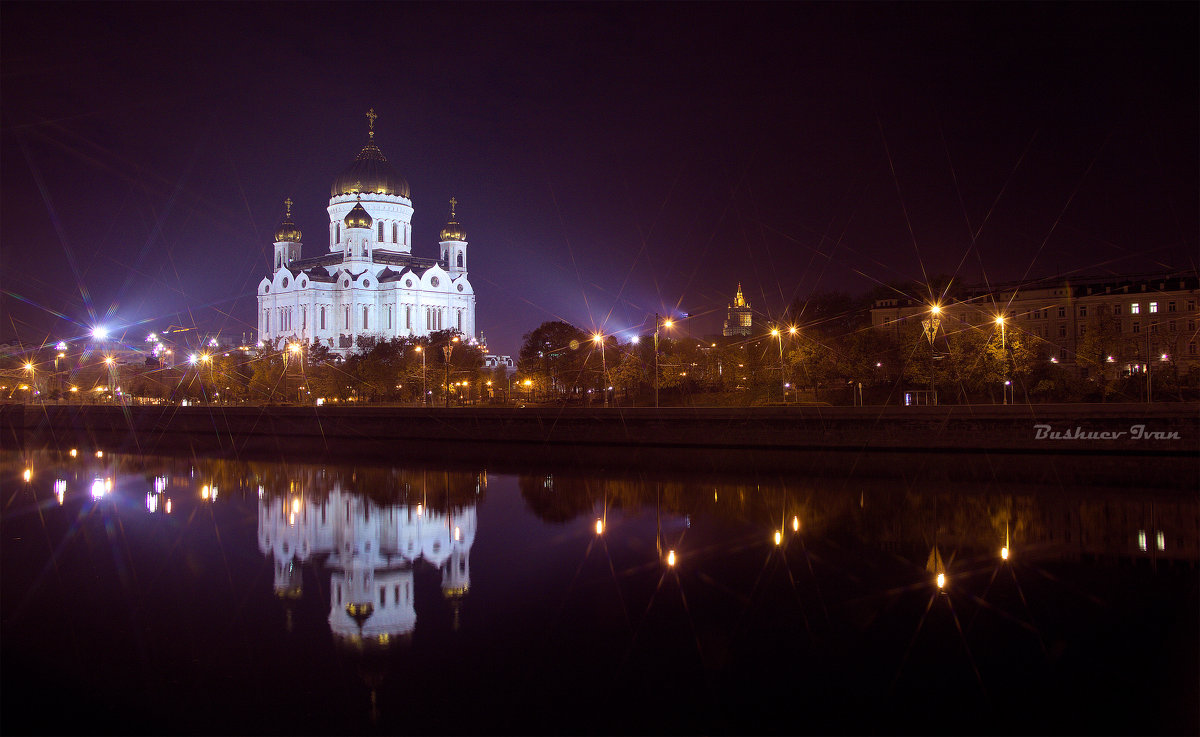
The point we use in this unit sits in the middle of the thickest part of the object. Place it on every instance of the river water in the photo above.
(207, 595)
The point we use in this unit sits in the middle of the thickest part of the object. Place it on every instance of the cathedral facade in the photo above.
(368, 283)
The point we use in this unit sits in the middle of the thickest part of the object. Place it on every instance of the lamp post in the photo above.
(111, 363)
(775, 333)
(598, 338)
(32, 378)
(424, 389)
(61, 349)
(931, 328)
(296, 349)
(448, 349)
(658, 321)
(1003, 354)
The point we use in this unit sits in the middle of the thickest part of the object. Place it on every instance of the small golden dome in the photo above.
(358, 217)
(454, 230)
(287, 232)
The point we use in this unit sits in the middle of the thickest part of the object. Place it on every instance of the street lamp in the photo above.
(448, 349)
(598, 338)
(666, 323)
(424, 390)
(1004, 355)
(776, 334)
(32, 377)
(931, 327)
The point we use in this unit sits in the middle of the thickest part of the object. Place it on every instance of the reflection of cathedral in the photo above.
(371, 551)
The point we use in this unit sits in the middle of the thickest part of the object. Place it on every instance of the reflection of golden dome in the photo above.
(453, 231)
(377, 643)
(369, 173)
(358, 217)
(291, 592)
(287, 229)
(456, 592)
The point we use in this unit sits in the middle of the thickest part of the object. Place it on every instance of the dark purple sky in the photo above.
(610, 160)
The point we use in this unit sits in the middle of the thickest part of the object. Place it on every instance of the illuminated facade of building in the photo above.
(368, 284)
(738, 319)
(1147, 318)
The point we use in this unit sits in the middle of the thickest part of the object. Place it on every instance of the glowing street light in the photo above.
(598, 338)
(1000, 323)
(931, 327)
(658, 322)
(671, 558)
(775, 333)
(424, 389)
(795, 524)
(778, 537)
(599, 527)
(99, 332)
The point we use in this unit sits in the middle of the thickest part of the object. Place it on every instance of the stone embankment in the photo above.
(738, 437)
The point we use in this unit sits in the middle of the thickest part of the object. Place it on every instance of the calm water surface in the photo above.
(183, 595)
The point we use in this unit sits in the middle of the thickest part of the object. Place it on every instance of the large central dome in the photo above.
(369, 173)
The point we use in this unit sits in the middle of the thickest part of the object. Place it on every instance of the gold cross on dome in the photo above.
(453, 202)
(288, 202)
(371, 117)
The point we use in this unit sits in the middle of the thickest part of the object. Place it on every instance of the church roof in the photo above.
(453, 231)
(287, 232)
(370, 172)
(358, 217)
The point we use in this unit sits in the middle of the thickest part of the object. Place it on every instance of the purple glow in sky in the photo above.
(610, 160)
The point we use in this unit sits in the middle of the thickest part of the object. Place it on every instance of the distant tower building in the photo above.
(737, 319)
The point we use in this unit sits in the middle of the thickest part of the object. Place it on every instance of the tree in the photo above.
(552, 352)
(1099, 348)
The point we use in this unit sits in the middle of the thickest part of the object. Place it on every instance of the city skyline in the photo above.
(609, 162)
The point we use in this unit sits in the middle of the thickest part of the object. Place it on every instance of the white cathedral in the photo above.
(369, 283)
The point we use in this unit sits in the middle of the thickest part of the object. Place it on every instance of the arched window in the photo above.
(381, 230)
(395, 233)
(460, 259)
(337, 233)
(364, 317)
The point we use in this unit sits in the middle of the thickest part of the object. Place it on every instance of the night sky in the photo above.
(609, 160)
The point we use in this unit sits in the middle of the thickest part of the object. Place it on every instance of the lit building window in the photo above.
(1135, 308)
(1142, 540)
(1154, 307)
(1161, 540)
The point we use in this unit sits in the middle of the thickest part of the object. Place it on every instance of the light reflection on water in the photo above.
(558, 603)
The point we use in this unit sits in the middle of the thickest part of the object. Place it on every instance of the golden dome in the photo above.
(370, 172)
(287, 229)
(453, 231)
(358, 217)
